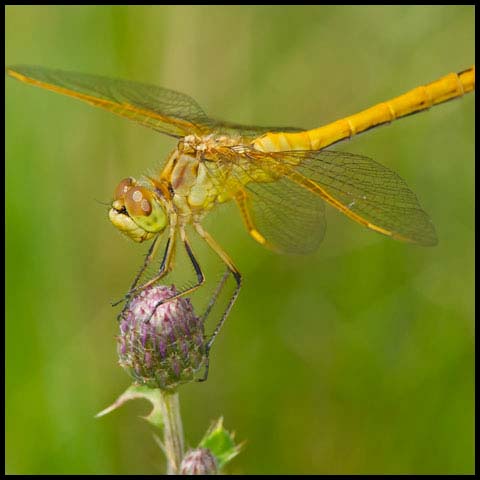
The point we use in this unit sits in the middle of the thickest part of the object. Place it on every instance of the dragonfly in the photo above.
(280, 178)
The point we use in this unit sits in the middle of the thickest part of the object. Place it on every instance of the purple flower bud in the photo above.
(165, 349)
(162, 347)
(199, 462)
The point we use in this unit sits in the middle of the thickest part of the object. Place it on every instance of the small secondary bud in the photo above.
(199, 462)
(167, 349)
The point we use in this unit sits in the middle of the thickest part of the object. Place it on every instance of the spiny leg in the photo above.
(198, 271)
(215, 295)
(238, 279)
(148, 258)
(151, 252)
(167, 261)
(165, 267)
(210, 305)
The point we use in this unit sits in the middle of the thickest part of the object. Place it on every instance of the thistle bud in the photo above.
(165, 349)
(199, 462)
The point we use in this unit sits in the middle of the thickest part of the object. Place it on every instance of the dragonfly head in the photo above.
(137, 211)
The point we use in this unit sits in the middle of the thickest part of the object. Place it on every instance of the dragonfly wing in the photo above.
(247, 131)
(359, 187)
(278, 213)
(165, 110)
(287, 216)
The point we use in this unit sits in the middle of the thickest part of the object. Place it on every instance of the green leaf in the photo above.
(221, 443)
(153, 395)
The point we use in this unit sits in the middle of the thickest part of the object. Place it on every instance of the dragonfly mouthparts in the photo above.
(119, 206)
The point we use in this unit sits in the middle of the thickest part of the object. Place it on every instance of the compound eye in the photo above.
(123, 187)
(138, 201)
(145, 209)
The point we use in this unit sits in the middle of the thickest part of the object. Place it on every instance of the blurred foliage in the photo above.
(358, 359)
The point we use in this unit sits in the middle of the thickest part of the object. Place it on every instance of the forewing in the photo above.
(359, 187)
(246, 131)
(165, 110)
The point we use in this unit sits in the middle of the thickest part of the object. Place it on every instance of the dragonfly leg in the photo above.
(148, 258)
(198, 271)
(215, 295)
(165, 267)
(242, 204)
(232, 269)
(210, 305)
(167, 261)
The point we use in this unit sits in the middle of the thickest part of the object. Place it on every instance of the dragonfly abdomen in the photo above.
(420, 98)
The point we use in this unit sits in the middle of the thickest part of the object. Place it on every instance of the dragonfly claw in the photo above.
(118, 302)
(159, 304)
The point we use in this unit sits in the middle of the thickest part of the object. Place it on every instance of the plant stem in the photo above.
(172, 430)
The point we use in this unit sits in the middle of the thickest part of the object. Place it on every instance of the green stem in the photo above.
(172, 430)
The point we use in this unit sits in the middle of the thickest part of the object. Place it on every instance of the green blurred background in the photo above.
(358, 359)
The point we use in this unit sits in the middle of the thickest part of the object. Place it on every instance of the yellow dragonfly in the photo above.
(280, 178)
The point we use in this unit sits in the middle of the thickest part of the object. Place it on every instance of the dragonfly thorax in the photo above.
(206, 144)
(192, 180)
